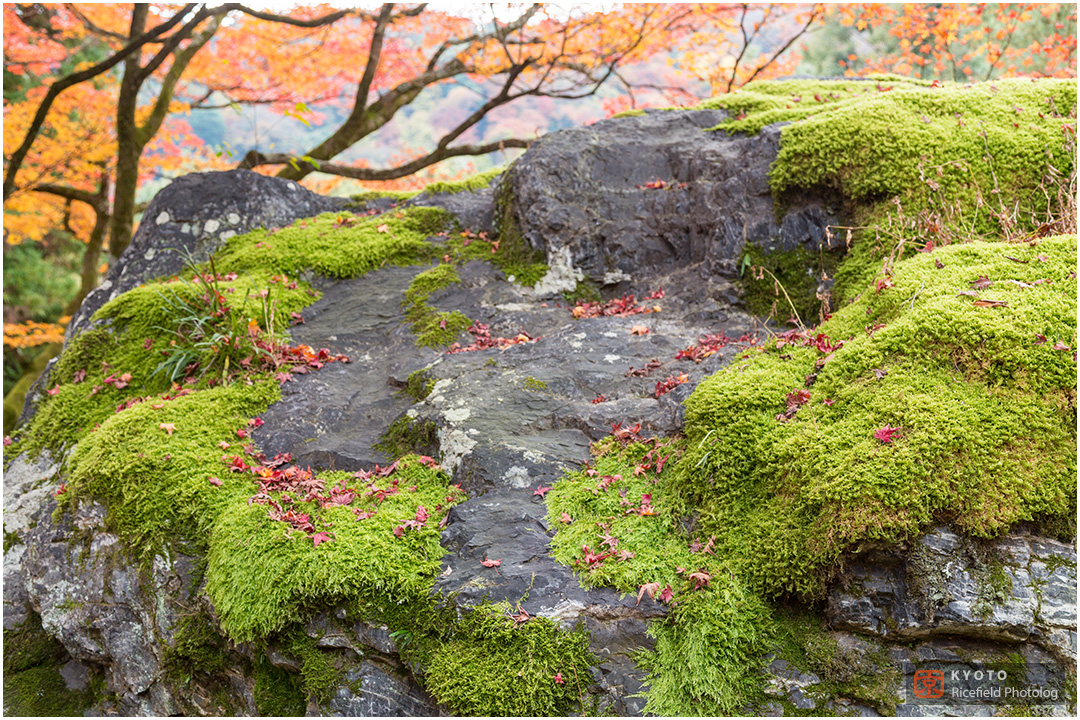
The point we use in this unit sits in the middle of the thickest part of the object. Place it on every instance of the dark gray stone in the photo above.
(580, 195)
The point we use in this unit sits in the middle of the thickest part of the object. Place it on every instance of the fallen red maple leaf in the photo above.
(167, 427)
(541, 490)
(650, 589)
(558, 679)
(214, 481)
(887, 434)
(321, 537)
(54, 391)
(490, 563)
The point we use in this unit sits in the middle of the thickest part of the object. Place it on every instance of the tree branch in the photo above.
(256, 159)
(374, 53)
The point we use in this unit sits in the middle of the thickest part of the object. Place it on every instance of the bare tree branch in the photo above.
(256, 159)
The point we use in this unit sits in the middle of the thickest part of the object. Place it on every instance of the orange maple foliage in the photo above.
(32, 334)
(967, 41)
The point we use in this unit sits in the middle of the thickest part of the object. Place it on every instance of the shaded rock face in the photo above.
(506, 423)
(583, 196)
(1019, 588)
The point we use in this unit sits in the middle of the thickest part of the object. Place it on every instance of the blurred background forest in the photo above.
(105, 103)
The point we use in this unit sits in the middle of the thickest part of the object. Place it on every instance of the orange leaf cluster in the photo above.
(32, 334)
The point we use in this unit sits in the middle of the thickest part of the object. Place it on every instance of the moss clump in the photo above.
(365, 196)
(585, 290)
(534, 385)
(278, 692)
(708, 651)
(985, 411)
(479, 181)
(432, 327)
(919, 164)
(495, 666)
(154, 482)
(41, 692)
(262, 574)
(513, 255)
(196, 648)
(408, 435)
(318, 673)
(869, 143)
(337, 245)
(418, 385)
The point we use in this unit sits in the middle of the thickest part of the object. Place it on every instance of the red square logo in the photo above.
(929, 684)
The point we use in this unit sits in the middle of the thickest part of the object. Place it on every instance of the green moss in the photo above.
(320, 676)
(409, 435)
(494, 666)
(261, 575)
(986, 416)
(432, 327)
(585, 290)
(921, 164)
(29, 646)
(360, 198)
(708, 650)
(41, 692)
(479, 181)
(636, 112)
(534, 385)
(868, 143)
(196, 648)
(155, 482)
(337, 245)
(418, 385)
(11, 539)
(278, 693)
(784, 284)
(513, 255)
(861, 674)
(33, 686)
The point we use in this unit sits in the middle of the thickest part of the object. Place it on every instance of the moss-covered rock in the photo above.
(936, 405)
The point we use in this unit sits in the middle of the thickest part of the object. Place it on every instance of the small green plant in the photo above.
(409, 435)
(534, 385)
(418, 385)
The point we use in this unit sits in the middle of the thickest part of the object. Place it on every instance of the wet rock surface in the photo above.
(507, 422)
